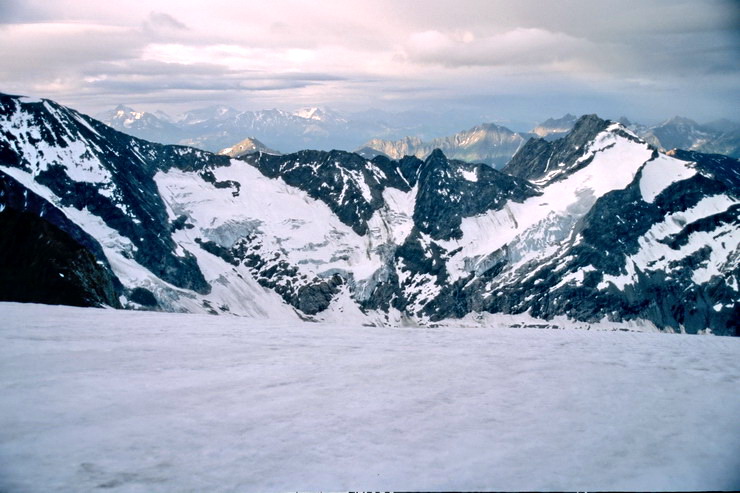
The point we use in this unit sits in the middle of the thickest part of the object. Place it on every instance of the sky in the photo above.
(486, 60)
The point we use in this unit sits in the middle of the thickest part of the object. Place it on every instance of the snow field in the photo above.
(142, 401)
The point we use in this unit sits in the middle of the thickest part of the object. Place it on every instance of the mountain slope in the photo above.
(596, 225)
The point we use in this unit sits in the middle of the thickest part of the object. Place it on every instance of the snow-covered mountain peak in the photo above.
(544, 162)
(313, 113)
(319, 114)
(123, 109)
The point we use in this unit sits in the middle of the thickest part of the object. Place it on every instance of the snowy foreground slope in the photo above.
(140, 401)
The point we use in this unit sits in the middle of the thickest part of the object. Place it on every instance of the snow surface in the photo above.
(149, 402)
(470, 175)
(661, 172)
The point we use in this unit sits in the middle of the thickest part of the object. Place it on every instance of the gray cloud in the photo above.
(523, 57)
(166, 21)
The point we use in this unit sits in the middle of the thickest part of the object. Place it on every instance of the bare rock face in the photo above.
(40, 262)
(487, 143)
(554, 128)
(540, 158)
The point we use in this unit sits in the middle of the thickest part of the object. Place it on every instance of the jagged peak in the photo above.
(250, 145)
(436, 155)
(123, 107)
(533, 161)
(679, 120)
(436, 159)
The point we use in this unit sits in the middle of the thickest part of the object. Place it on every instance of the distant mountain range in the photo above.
(554, 128)
(496, 145)
(718, 137)
(487, 143)
(220, 127)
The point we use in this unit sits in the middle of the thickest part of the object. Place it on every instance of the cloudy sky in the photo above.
(499, 60)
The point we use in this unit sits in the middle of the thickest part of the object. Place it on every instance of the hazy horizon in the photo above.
(510, 63)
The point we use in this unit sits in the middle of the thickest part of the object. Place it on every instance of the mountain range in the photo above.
(219, 127)
(595, 225)
(487, 143)
(496, 145)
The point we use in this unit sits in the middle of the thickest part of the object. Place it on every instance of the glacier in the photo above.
(142, 401)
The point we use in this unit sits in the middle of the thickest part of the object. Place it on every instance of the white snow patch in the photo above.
(29, 100)
(393, 222)
(661, 172)
(470, 175)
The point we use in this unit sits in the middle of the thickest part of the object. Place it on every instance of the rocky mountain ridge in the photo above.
(218, 127)
(595, 226)
(486, 143)
(718, 137)
(495, 145)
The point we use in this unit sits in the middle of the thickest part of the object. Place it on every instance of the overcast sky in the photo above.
(516, 61)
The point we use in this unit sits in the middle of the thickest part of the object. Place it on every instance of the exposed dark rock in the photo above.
(143, 297)
(40, 263)
(446, 196)
(340, 179)
(538, 156)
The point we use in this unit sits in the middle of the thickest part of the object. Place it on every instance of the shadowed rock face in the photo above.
(444, 197)
(538, 156)
(40, 263)
(594, 225)
(46, 258)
